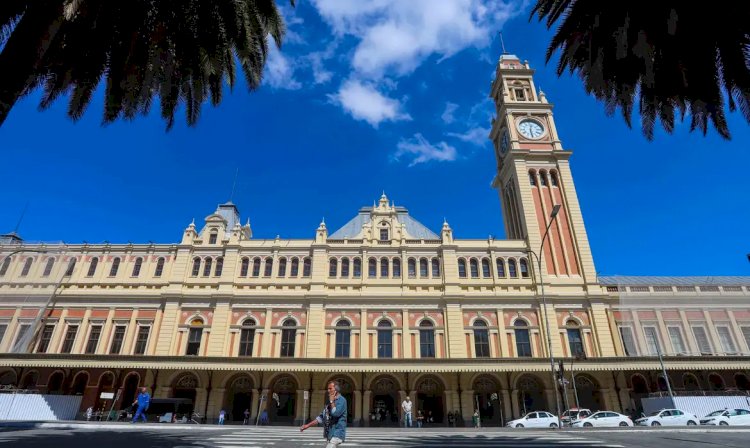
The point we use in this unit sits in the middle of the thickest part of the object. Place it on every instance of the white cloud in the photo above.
(364, 102)
(279, 72)
(447, 115)
(396, 36)
(423, 151)
(476, 136)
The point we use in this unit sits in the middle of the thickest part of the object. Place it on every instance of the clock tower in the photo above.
(533, 174)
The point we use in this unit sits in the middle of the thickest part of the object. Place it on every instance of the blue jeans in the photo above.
(141, 412)
(407, 419)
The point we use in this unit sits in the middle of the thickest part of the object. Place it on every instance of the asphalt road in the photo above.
(133, 436)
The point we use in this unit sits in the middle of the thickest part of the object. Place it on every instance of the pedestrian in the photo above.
(430, 418)
(222, 414)
(420, 418)
(143, 401)
(406, 407)
(450, 418)
(89, 413)
(264, 417)
(247, 417)
(333, 417)
(475, 418)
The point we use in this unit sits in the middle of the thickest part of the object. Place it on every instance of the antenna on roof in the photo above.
(23, 213)
(234, 184)
(502, 42)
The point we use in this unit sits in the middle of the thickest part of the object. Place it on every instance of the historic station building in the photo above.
(385, 304)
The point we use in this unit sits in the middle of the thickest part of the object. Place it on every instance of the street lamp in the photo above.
(552, 216)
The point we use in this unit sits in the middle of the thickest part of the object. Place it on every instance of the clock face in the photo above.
(504, 142)
(530, 129)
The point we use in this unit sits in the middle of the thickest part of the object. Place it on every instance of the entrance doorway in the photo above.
(282, 402)
(130, 391)
(530, 395)
(185, 387)
(239, 394)
(430, 401)
(383, 408)
(487, 400)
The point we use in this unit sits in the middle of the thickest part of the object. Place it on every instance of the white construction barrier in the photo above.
(39, 407)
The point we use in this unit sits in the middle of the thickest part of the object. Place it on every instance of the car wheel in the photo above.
(587, 424)
(553, 425)
(655, 424)
(623, 424)
(723, 424)
(519, 425)
(691, 423)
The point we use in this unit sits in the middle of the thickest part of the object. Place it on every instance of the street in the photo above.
(115, 436)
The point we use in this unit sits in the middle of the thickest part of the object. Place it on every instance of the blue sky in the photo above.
(369, 96)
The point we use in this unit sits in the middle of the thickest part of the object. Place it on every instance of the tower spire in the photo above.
(502, 42)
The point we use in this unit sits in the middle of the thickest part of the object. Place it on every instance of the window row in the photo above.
(92, 341)
(652, 344)
(93, 266)
(522, 334)
(543, 178)
(513, 268)
(383, 268)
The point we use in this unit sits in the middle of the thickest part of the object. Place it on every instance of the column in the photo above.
(216, 403)
(267, 336)
(219, 329)
(550, 393)
(299, 407)
(689, 338)
(130, 334)
(406, 335)
(358, 407)
(254, 397)
(364, 338)
(468, 404)
(366, 400)
(507, 406)
(503, 341)
(712, 334)
(106, 335)
(168, 329)
(516, 405)
(666, 345)
(83, 328)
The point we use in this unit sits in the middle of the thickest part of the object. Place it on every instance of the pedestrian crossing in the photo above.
(367, 437)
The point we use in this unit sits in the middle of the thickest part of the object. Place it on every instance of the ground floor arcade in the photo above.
(290, 392)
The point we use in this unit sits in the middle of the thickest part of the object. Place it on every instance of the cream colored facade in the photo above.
(384, 305)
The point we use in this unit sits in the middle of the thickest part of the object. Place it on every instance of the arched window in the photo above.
(333, 267)
(48, 267)
(115, 267)
(523, 340)
(424, 268)
(435, 268)
(357, 268)
(543, 178)
(574, 339)
(195, 334)
(345, 267)
(385, 339)
(288, 336)
(196, 266)
(213, 236)
(282, 267)
(343, 335)
(524, 268)
(247, 337)
(481, 339)
(412, 268)
(553, 178)
(372, 268)
(268, 270)
(159, 267)
(6, 264)
(500, 267)
(219, 266)
(244, 267)
(512, 271)
(461, 268)
(71, 266)
(486, 273)
(426, 339)
(137, 267)
(256, 267)
(396, 268)
(384, 267)
(532, 178)
(27, 266)
(294, 270)
(92, 267)
(207, 264)
(306, 266)
(474, 266)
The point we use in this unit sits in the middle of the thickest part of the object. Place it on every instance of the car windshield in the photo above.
(566, 413)
(653, 414)
(715, 414)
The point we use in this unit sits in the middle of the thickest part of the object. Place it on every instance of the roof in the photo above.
(649, 280)
(414, 228)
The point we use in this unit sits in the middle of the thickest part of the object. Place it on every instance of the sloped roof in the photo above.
(649, 280)
(414, 228)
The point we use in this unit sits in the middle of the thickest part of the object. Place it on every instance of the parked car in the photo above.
(574, 414)
(603, 419)
(734, 417)
(668, 417)
(539, 419)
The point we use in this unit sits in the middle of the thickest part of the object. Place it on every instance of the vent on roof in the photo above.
(686, 288)
(732, 288)
(709, 288)
(639, 289)
(612, 289)
(662, 289)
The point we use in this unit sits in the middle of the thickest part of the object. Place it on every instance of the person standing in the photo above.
(143, 401)
(247, 417)
(420, 418)
(475, 418)
(406, 406)
(222, 415)
(333, 417)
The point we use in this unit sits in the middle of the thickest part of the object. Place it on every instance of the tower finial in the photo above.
(502, 42)
(234, 184)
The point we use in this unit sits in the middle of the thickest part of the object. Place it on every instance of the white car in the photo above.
(603, 419)
(734, 417)
(539, 419)
(668, 417)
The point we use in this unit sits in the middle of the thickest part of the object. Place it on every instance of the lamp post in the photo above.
(552, 216)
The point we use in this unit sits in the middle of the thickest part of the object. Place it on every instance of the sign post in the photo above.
(260, 403)
(117, 397)
(304, 409)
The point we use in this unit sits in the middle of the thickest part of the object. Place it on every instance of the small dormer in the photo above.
(214, 231)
